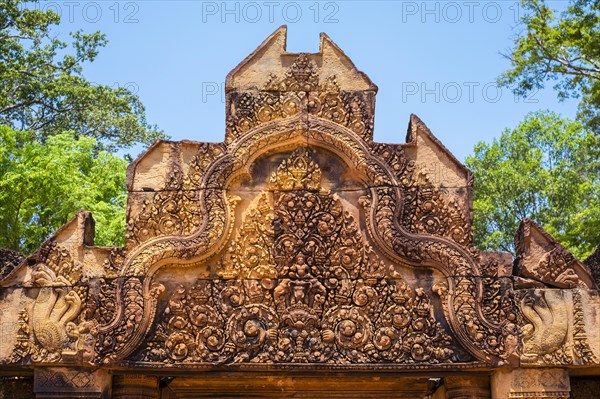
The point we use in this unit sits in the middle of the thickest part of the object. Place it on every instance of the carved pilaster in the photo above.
(546, 383)
(135, 386)
(62, 382)
(467, 387)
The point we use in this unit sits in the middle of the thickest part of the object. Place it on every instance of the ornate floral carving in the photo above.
(299, 172)
(301, 76)
(251, 255)
(300, 91)
(554, 266)
(100, 303)
(461, 296)
(336, 300)
(464, 315)
(353, 321)
(299, 230)
(60, 265)
(427, 209)
(132, 310)
(174, 209)
(581, 344)
(348, 256)
(23, 346)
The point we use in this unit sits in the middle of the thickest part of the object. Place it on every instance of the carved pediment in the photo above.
(542, 258)
(299, 283)
(298, 242)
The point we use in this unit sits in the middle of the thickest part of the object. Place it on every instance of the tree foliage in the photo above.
(564, 49)
(42, 88)
(546, 169)
(55, 130)
(42, 185)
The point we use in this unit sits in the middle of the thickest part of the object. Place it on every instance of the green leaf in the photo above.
(546, 169)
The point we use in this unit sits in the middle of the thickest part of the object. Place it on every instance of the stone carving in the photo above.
(8, 261)
(312, 324)
(301, 90)
(426, 208)
(174, 210)
(381, 202)
(66, 382)
(313, 290)
(542, 258)
(593, 263)
(545, 332)
(301, 76)
(531, 383)
(23, 345)
(54, 310)
(581, 341)
(54, 333)
(299, 244)
(553, 267)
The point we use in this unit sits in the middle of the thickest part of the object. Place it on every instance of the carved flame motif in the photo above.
(299, 252)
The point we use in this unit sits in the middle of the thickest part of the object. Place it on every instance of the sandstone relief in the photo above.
(297, 244)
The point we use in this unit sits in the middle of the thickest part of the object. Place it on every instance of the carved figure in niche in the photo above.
(300, 269)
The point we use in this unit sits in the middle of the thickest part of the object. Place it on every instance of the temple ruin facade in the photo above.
(299, 258)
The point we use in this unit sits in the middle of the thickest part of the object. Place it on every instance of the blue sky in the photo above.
(437, 59)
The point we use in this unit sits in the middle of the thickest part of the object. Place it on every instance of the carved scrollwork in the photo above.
(174, 209)
(300, 242)
(312, 324)
(306, 250)
(336, 300)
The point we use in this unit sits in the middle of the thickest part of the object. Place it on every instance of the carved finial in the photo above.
(301, 76)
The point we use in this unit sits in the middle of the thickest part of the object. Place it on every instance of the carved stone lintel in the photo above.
(471, 387)
(63, 382)
(547, 383)
(135, 386)
(301, 385)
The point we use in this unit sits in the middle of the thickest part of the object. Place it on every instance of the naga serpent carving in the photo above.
(548, 329)
(461, 295)
(54, 309)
